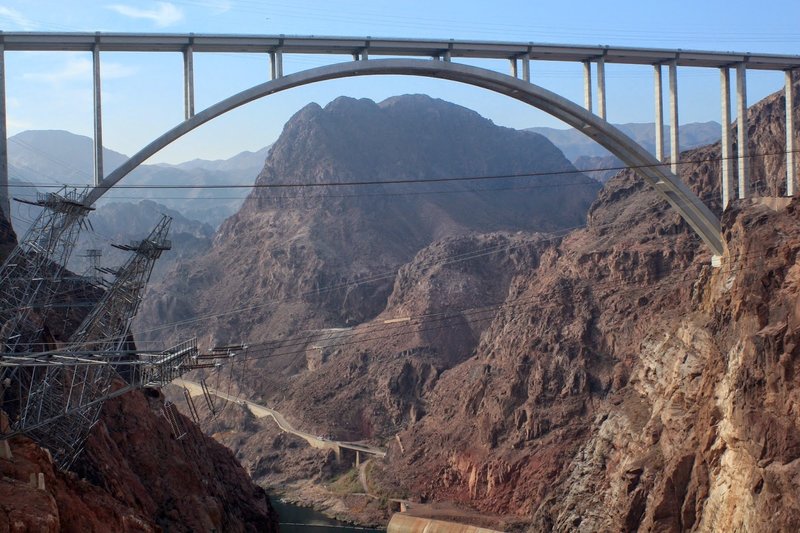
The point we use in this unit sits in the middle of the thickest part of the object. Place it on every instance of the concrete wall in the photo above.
(403, 523)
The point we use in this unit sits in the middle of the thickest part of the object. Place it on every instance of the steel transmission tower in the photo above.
(93, 271)
(31, 275)
(64, 400)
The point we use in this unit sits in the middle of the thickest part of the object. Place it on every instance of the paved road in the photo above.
(362, 476)
(262, 411)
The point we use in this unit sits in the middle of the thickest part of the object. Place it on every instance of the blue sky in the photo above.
(143, 94)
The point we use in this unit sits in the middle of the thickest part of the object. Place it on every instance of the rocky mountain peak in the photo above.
(287, 243)
(409, 136)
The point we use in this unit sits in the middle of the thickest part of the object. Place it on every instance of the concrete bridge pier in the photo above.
(601, 87)
(741, 131)
(727, 145)
(659, 111)
(188, 82)
(587, 85)
(523, 61)
(98, 115)
(791, 178)
(276, 64)
(5, 203)
(674, 134)
(526, 67)
(600, 68)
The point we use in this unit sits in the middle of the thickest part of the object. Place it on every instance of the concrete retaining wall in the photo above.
(403, 523)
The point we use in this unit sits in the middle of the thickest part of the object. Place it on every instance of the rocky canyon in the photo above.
(535, 351)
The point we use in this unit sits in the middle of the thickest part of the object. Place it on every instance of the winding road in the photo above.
(262, 411)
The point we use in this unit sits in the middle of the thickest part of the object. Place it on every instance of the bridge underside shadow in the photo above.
(656, 174)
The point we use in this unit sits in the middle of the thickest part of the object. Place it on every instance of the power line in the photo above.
(387, 274)
(393, 272)
(554, 236)
(369, 279)
(406, 181)
(457, 313)
(270, 352)
(361, 281)
(466, 313)
(472, 314)
(473, 254)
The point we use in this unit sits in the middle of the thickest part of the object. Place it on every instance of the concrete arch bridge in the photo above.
(438, 59)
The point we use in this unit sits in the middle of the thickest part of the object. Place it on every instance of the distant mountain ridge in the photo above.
(243, 161)
(600, 164)
(575, 144)
(40, 157)
(55, 156)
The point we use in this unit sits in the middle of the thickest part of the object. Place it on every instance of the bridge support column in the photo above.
(659, 101)
(514, 69)
(741, 131)
(276, 64)
(98, 116)
(448, 56)
(791, 178)
(727, 162)
(188, 82)
(601, 87)
(587, 85)
(5, 203)
(526, 68)
(674, 134)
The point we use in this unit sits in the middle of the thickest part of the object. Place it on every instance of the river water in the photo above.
(296, 519)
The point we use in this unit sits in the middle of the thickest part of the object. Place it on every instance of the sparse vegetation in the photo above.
(347, 483)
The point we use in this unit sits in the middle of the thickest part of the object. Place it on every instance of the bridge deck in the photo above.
(290, 44)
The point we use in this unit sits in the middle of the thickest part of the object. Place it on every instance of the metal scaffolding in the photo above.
(143, 369)
(92, 271)
(64, 398)
(32, 274)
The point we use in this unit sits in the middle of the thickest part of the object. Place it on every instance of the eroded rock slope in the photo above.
(607, 380)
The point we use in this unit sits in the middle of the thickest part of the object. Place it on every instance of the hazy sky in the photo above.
(143, 93)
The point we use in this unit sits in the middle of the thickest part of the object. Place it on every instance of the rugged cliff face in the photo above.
(187, 484)
(291, 256)
(628, 385)
(133, 476)
(607, 380)
(293, 252)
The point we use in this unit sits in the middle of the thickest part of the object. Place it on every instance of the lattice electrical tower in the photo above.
(59, 393)
(64, 401)
(32, 274)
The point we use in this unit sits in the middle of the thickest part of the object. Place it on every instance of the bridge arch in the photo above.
(666, 184)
